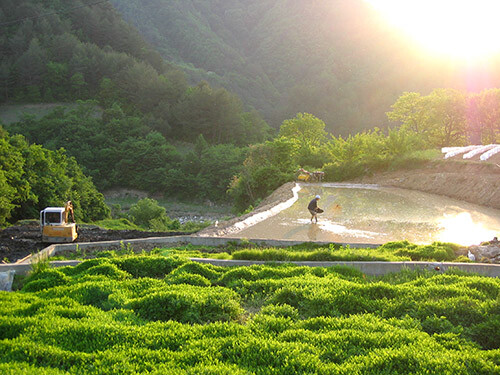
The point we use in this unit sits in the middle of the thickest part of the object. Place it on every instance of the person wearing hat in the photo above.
(314, 209)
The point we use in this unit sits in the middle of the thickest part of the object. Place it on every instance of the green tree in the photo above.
(308, 133)
(305, 128)
(32, 65)
(6, 80)
(411, 111)
(489, 115)
(145, 210)
(7, 196)
(267, 166)
(56, 79)
(448, 117)
(78, 86)
(32, 178)
(14, 186)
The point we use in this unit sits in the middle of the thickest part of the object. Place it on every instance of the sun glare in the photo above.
(463, 230)
(459, 29)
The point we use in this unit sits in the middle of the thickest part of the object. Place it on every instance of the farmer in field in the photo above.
(314, 209)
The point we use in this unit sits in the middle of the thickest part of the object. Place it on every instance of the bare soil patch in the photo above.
(473, 182)
(19, 241)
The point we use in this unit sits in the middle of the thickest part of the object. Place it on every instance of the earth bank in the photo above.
(473, 182)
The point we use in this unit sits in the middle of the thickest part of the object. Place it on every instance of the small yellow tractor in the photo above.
(55, 225)
(306, 176)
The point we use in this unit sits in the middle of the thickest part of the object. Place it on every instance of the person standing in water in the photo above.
(314, 209)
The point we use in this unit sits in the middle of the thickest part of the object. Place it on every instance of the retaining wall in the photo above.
(370, 268)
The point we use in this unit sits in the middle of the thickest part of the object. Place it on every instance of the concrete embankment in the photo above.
(369, 268)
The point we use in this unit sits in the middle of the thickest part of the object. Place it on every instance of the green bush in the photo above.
(189, 304)
(147, 210)
(109, 270)
(13, 326)
(487, 333)
(434, 324)
(187, 278)
(206, 270)
(26, 368)
(92, 292)
(319, 255)
(236, 275)
(44, 280)
(435, 252)
(117, 224)
(285, 311)
(148, 266)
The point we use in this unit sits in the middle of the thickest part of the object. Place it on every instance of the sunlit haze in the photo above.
(460, 29)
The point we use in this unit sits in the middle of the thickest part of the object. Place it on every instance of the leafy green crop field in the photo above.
(168, 315)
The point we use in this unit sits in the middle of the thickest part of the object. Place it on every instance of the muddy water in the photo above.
(372, 214)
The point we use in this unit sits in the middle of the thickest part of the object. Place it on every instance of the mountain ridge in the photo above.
(335, 59)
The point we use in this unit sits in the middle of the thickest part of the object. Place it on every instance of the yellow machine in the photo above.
(55, 225)
(304, 177)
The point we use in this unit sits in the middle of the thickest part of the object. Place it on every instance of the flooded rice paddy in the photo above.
(373, 214)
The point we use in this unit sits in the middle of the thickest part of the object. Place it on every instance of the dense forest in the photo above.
(32, 176)
(132, 104)
(121, 151)
(89, 52)
(335, 59)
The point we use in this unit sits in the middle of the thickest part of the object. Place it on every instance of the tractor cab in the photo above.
(55, 225)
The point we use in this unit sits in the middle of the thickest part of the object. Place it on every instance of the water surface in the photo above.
(372, 214)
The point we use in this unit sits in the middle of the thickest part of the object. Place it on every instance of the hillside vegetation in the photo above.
(127, 105)
(89, 52)
(32, 177)
(335, 59)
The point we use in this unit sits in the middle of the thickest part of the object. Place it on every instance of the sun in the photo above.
(458, 29)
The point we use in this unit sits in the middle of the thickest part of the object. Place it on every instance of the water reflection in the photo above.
(371, 214)
(313, 231)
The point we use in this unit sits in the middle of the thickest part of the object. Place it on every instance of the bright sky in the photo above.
(468, 30)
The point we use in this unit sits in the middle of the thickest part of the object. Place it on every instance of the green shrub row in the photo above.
(268, 344)
(181, 317)
(390, 252)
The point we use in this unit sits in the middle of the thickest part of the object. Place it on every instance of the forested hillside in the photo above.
(32, 177)
(67, 50)
(335, 59)
(138, 121)
(133, 104)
